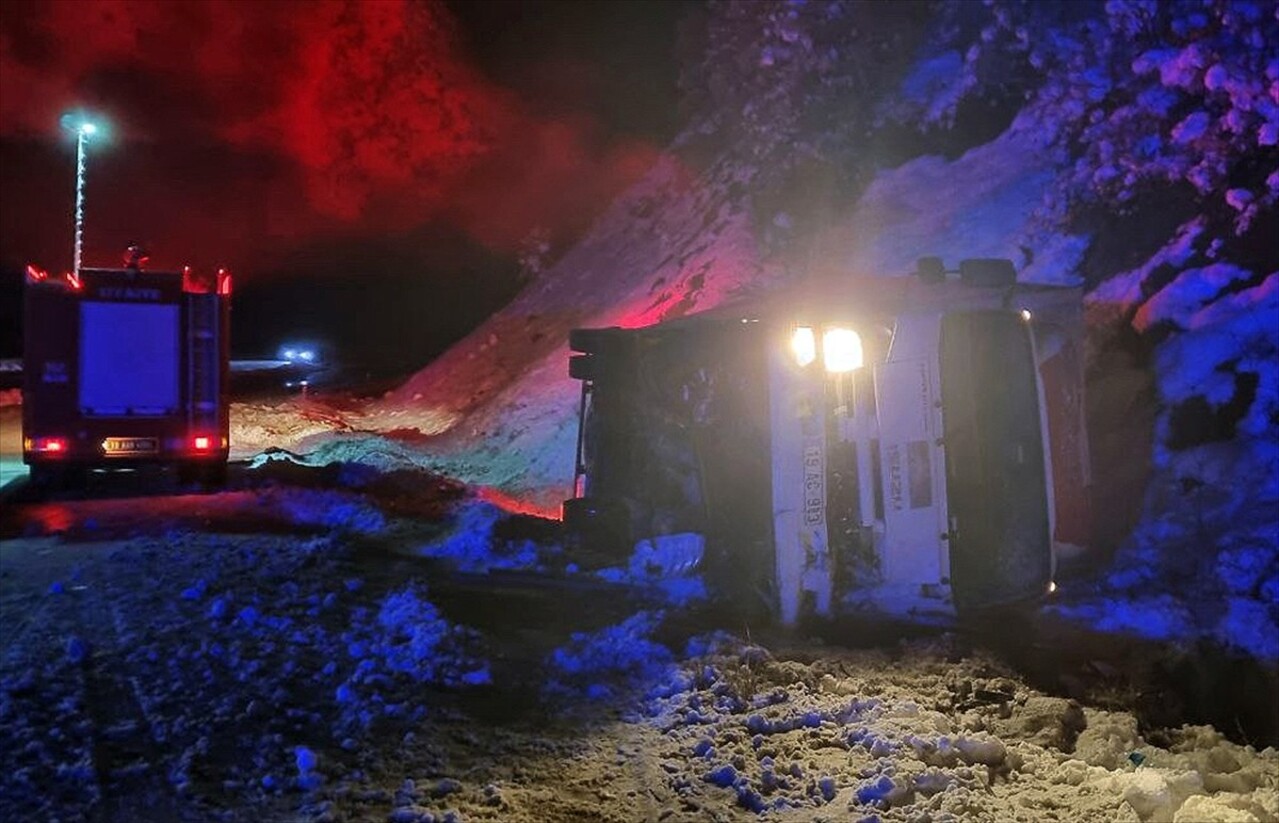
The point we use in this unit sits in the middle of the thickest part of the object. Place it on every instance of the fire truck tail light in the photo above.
(842, 350)
(803, 343)
(49, 445)
(202, 443)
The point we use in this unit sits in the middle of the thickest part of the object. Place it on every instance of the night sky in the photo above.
(368, 170)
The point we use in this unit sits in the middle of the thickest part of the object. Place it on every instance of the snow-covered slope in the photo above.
(500, 402)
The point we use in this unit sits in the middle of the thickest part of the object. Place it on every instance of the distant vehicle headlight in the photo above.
(803, 343)
(841, 350)
(300, 353)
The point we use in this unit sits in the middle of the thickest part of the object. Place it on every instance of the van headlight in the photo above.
(841, 350)
(803, 343)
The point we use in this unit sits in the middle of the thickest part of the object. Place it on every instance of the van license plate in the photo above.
(814, 486)
(129, 446)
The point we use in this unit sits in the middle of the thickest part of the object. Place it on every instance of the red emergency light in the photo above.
(35, 274)
(224, 282)
(202, 443)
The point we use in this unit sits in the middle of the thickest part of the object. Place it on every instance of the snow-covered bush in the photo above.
(1145, 94)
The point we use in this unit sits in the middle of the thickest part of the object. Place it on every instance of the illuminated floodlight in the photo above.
(803, 343)
(841, 350)
(307, 355)
(80, 122)
(83, 127)
(1026, 315)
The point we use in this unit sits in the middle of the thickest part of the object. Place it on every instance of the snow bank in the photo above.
(982, 204)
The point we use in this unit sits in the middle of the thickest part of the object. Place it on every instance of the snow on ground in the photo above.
(308, 675)
(198, 665)
(912, 733)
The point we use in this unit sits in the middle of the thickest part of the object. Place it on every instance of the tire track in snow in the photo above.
(46, 757)
(127, 758)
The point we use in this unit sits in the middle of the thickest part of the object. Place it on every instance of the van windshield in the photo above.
(1000, 548)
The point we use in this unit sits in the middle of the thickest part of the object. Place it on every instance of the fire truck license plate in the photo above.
(124, 446)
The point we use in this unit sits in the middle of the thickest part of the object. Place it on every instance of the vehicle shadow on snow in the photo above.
(276, 496)
(1165, 685)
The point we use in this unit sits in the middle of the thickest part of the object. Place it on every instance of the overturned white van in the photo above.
(901, 442)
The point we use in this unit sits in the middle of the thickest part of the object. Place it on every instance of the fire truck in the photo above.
(912, 443)
(123, 368)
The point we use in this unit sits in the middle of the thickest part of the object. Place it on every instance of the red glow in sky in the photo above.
(240, 127)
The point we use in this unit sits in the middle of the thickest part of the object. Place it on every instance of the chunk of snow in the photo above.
(77, 649)
(987, 751)
(1200, 808)
(1157, 794)
(471, 545)
(1191, 128)
(1239, 199)
(306, 759)
(723, 776)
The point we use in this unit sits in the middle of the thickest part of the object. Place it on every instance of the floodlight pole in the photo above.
(82, 136)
